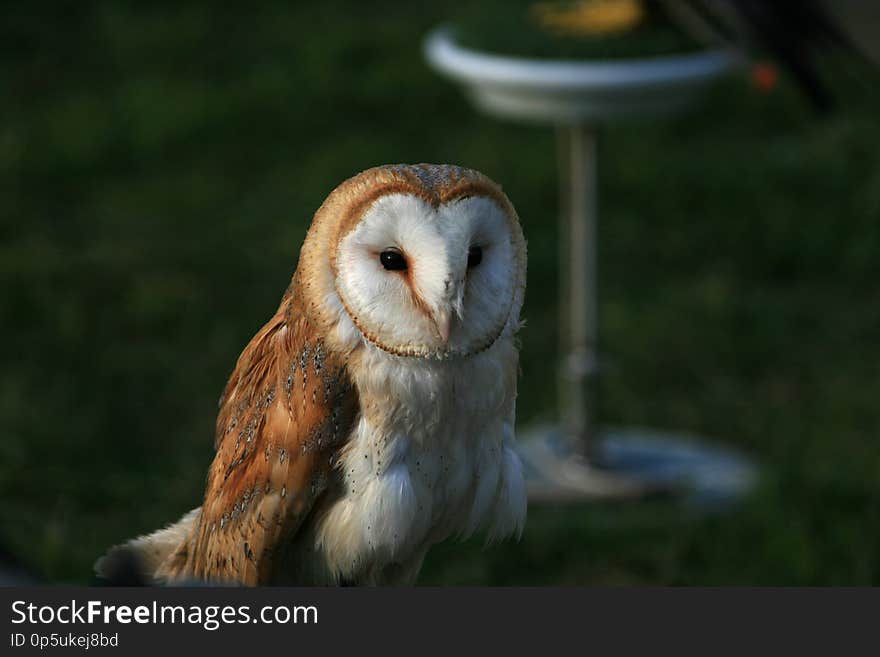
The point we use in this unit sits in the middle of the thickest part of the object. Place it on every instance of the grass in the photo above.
(161, 163)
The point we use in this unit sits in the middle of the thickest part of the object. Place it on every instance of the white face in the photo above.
(425, 281)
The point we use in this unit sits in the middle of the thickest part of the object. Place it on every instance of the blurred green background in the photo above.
(160, 164)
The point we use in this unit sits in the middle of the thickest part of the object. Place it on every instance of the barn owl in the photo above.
(373, 415)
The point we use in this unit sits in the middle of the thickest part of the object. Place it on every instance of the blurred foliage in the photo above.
(160, 164)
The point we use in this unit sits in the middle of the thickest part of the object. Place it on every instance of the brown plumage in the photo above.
(285, 411)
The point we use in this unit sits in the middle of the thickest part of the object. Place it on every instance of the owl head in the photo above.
(423, 261)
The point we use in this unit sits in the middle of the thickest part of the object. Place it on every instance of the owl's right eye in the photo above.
(392, 260)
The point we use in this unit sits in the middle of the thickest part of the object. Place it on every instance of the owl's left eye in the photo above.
(392, 260)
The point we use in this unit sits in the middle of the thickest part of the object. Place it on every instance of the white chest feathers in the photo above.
(431, 455)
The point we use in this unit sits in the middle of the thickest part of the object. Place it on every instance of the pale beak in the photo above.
(443, 322)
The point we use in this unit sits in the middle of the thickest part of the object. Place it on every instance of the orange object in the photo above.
(765, 76)
(589, 17)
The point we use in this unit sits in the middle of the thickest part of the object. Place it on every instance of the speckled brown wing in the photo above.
(286, 410)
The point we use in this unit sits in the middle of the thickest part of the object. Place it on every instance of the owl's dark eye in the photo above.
(475, 256)
(392, 260)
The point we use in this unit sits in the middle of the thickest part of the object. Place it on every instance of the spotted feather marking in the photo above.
(263, 483)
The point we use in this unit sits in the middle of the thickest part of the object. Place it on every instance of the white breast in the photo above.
(431, 456)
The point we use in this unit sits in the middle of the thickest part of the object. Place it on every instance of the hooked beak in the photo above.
(443, 324)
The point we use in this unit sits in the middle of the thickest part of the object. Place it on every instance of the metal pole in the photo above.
(579, 330)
